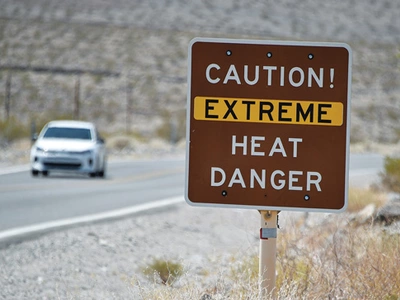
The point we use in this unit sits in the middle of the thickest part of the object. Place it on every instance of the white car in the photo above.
(72, 146)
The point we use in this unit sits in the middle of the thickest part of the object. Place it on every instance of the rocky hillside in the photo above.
(125, 60)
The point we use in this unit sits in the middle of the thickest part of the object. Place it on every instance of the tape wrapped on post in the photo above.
(268, 233)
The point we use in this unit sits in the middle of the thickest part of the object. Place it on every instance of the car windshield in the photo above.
(68, 133)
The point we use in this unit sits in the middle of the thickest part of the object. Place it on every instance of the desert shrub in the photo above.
(121, 143)
(391, 174)
(173, 126)
(167, 271)
(333, 261)
(360, 198)
(12, 129)
(246, 267)
(318, 257)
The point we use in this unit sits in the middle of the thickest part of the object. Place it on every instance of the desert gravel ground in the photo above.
(106, 260)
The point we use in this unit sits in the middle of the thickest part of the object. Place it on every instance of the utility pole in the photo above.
(77, 97)
(128, 105)
(8, 95)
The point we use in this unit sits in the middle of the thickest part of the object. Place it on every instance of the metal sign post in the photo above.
(267, 263)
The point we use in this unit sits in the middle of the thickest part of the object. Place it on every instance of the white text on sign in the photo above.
(277, 147)
(295, 76)
(278, 179)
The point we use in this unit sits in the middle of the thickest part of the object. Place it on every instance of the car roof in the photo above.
(71, 124)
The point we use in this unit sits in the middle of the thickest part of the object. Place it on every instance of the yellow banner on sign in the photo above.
(268, 111)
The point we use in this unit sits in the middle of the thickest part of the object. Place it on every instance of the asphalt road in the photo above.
(25, 201)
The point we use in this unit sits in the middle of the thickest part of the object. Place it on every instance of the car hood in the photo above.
(64, 144)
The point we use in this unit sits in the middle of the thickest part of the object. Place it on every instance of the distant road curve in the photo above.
(27, 201)
(365, 169)
(29, 205)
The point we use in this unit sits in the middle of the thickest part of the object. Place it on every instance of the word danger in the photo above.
(278, 179)
(295, 76)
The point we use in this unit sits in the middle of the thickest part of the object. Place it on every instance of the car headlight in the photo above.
(87, 152)
(39, 150)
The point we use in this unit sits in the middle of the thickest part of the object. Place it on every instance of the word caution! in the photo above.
(295, 76)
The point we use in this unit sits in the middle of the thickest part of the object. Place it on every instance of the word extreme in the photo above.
(268, 111)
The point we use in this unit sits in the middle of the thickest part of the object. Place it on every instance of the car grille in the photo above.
(62, 166)
(51, 152)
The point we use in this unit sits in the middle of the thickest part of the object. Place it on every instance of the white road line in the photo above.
(88, 218)
(364, 172)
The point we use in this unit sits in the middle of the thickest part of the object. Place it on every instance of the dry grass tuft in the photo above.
(332, 260)
(391, 175)
(360, 198)
(167, 271)
(338, 261)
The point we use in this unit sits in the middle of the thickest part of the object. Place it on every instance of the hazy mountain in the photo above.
(143, 45)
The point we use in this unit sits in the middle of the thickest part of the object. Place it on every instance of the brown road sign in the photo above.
(268, 124)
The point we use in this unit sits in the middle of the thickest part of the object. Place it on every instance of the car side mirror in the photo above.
(34, 137)
(100, 140)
